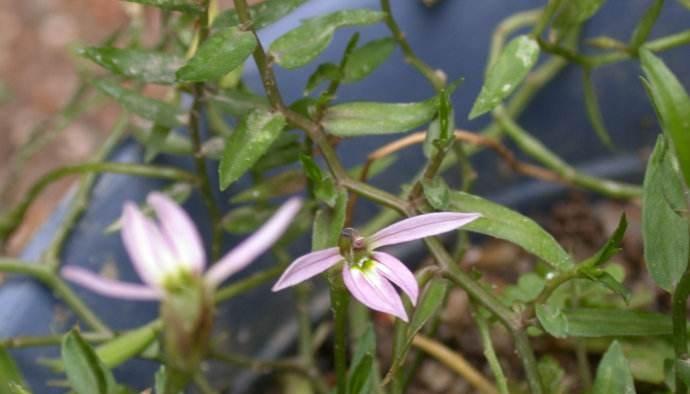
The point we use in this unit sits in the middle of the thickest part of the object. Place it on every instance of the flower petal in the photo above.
(420, 226)
(395, 271)
(307, 266)
(179, 229)
(108, 287)
(256, 244)
(374, 291)
(137, 231)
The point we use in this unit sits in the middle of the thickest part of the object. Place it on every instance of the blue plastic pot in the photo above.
(453, 36)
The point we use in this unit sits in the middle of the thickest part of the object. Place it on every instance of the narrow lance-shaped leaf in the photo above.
(301, 45)
(575, 12)
(613, 373)
(511, 67)
(594, 322)
(552, 320)
(248, 143)
(221, 53)
(9, 373)
(85, 371)
(646, 24)
(188, 6)
(142, 65)
(284, 183)
(261, 14)
(504, 223)
(157, 111)
(365, 59)
(593, 111)
(671, 102)
(664, 229)
(368, 118)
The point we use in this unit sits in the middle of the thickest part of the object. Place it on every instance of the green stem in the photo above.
(542, 154)
(680, 333)
(244, 285)
(80, 203)
(339, 302)
(199, 159)
(526, 355)
(437, 79)
(658, 45)
(489, 351)
(47, 277)
(49, 340)
(549, 10)
(13, 218)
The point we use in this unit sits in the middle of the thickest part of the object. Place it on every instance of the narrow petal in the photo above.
(255, 245)
(374, 291)
(395, 271)
(108, 287)
(136, 235)
(179, 229)
(420, 226)
(307, 266)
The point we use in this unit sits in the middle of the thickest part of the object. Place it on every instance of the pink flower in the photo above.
(370, 275)
(171, 249)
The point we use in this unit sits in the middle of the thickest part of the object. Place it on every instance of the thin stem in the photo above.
(49, 340)
(47, 277)
(13, 218)
(489, 351)
(541, 153)
(549, 10)
(658, 45)
(79, 204)
(680, 329)
(456, 362)
(524, 351)
(244, 285)
(436, 78)
(339, 302)
(199, 159)
(304, 321)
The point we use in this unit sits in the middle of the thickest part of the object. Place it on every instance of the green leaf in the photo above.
(613, 373)
(360, 380)
(602, 322)
(125, 346)
(323, 186)
(10, 375)
(363, 372)
(671, 102)
(188, 6)
(646, 24)
(329, 222)
(301, 45)
(527, 289)
(504, 223)
(593, 111)
(157, 111)
(606, 279)
(552, 320)
(262, 14)
(139, 64)
(370, 118)
(238, 102)
(611, 247)
(324, 72)
(575, 12)
(437, 192)
(511, 67)
(429, 304)
(246, 219)
(221, 53)
(85, 371)
(288, 182)
(365, 59)
(248, 143)
(551, 375)
(685, 3)
(683, 370)
(664, 231)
